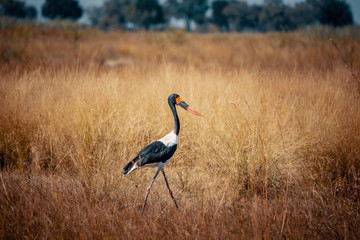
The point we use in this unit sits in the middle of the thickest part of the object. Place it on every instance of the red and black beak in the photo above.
(185, 106)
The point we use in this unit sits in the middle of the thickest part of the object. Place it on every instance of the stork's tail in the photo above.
(129, 167)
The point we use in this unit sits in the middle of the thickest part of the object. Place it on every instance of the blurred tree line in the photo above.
(274, 15)
(226, 15)
(200, 15)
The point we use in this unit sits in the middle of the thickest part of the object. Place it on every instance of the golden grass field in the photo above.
(276, 155)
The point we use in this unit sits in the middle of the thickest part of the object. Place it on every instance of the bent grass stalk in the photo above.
(346, 63)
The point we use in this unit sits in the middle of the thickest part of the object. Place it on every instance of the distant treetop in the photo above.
(64, 9)
(17, 9)
(332, 12)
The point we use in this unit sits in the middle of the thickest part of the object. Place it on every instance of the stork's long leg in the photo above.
(148, 190)
(167, 184)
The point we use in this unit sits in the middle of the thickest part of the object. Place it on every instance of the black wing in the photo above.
(156, 152)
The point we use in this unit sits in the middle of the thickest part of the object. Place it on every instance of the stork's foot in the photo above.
(171, 195)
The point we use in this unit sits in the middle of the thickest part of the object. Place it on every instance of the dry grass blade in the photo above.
(6, 194)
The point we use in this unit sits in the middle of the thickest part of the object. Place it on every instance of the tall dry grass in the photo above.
(281, 161)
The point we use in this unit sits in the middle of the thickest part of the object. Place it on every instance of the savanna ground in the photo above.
(276, 155)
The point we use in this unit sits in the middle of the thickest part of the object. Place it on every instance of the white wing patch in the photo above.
(169, 140)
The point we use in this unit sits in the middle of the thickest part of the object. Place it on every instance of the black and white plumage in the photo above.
(160, 152)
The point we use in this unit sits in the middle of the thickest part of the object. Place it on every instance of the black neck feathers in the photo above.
(172, 103)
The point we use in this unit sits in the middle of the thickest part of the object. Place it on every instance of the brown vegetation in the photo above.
(282, 161)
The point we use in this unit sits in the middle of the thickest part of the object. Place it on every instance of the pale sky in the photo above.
(355, 5)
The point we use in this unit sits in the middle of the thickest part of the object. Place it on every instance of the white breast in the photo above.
(170, 139)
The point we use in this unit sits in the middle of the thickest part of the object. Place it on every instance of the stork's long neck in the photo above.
(176, 119)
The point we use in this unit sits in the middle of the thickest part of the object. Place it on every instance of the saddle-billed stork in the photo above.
(160, 152)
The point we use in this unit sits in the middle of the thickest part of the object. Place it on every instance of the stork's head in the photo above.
(174, 99)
